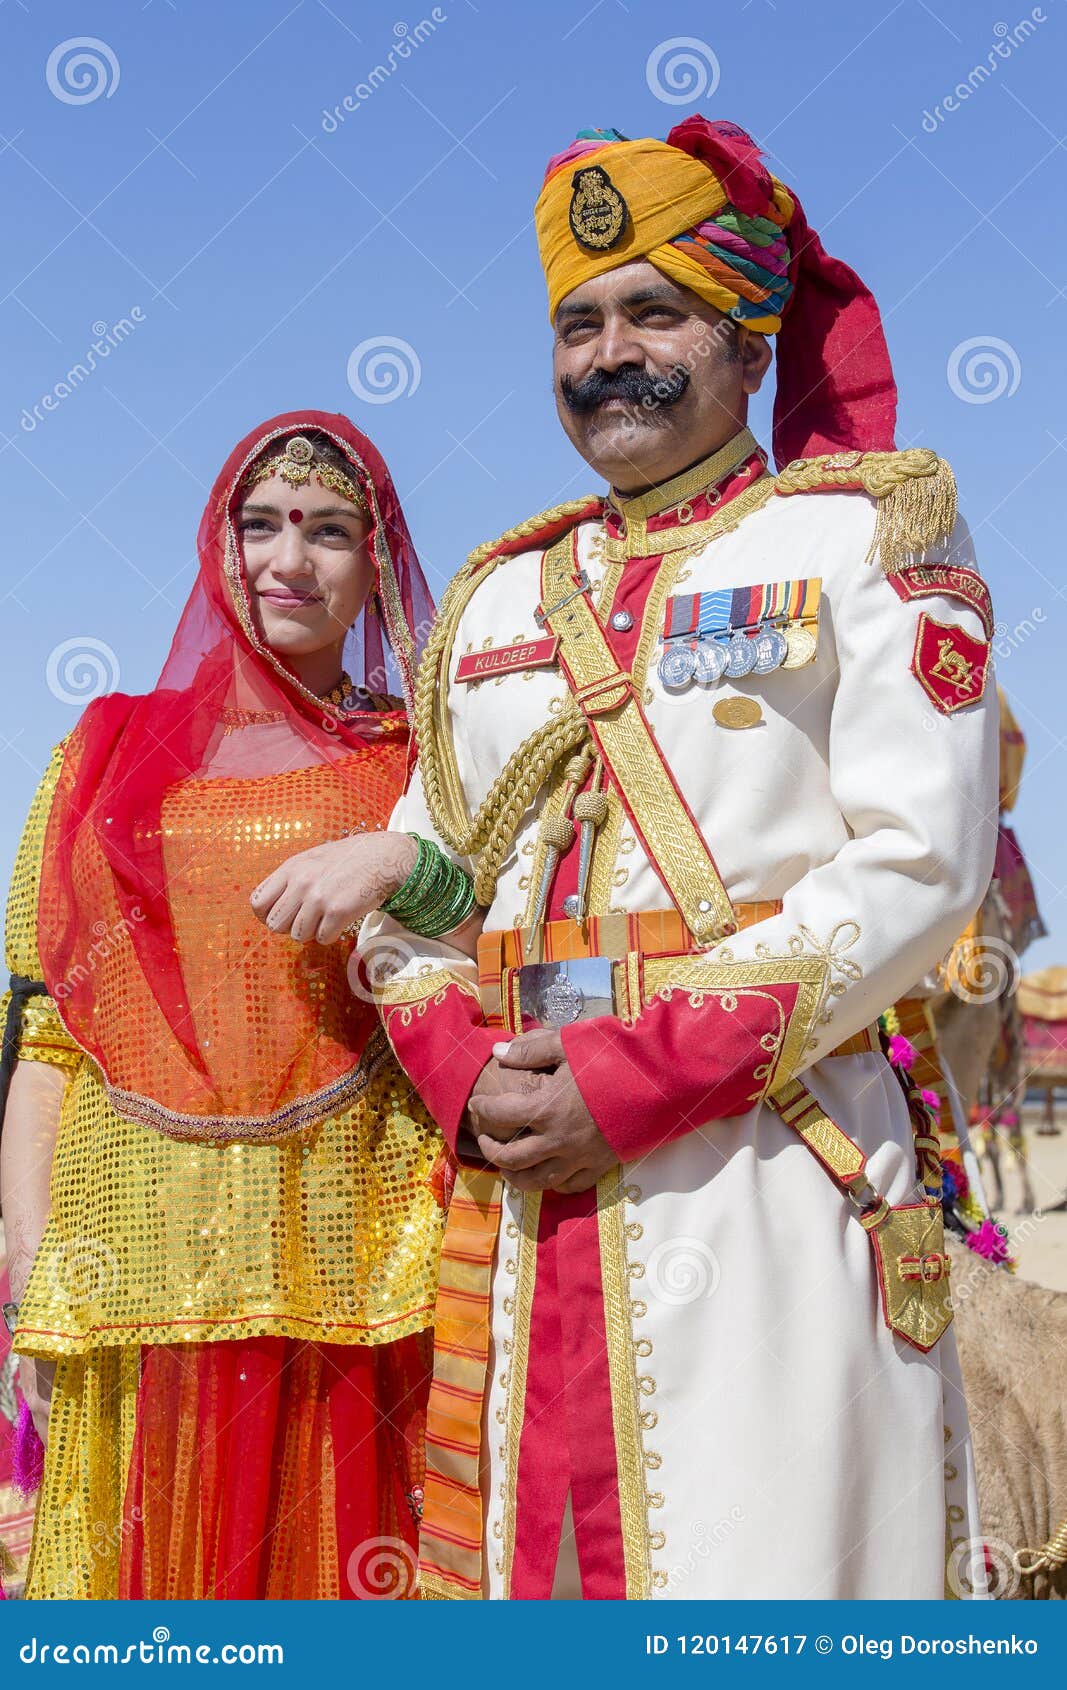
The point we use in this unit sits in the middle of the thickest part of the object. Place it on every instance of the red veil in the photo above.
(171, 807)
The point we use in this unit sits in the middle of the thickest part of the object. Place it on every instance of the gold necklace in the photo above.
(339, 693)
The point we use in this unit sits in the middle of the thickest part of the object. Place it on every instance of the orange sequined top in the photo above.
(331, 1233)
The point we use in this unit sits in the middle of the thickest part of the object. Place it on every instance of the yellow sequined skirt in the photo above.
(77, 1533)
(256, 1468)
(330, 1235)
(329, 1238)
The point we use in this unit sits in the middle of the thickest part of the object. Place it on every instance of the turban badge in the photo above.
(598, 213)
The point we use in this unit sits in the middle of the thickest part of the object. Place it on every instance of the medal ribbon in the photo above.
(694, 615)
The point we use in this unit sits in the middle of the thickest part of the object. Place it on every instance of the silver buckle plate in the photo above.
(559, 993)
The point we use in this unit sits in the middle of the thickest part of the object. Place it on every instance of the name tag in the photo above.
(501, 660)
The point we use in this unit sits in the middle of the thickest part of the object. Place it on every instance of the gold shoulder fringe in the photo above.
(915, 489)
(531, 527)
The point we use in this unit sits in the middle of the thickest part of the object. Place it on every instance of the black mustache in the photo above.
(629, 383)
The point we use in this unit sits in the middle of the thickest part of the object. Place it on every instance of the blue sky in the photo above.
(232, 245)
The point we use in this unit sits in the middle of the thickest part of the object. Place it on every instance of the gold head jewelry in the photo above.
(298, 463)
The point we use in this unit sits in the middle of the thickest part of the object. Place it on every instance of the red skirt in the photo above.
(276, 1468)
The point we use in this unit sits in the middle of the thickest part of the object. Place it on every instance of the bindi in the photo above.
(296, 516)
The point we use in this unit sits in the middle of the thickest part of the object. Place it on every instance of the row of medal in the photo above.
(734, 653)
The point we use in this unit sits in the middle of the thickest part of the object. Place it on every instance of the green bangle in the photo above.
(436, 897)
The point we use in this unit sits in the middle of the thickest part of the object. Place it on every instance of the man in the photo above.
(721, 748)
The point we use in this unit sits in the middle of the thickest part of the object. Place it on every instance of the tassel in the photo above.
(556, 833)
(991, 1241)
(590, 811)
(27, 1455)
(916, 511)
(915, 489)
(902, 1053)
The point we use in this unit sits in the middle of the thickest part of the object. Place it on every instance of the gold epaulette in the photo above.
(915, 489)
(538, 530)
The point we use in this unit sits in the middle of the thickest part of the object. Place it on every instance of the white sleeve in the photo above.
(918, 790)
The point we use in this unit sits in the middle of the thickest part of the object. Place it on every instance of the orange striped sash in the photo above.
(451, 1538)
(645, 933)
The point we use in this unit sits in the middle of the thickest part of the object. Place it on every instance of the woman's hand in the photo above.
(320, 893)
(36, 1377)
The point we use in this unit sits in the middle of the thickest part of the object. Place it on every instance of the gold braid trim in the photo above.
(534, 525)
(490, 833)
(915, 489)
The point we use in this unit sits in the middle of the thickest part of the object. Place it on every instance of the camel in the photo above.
(979, 1037)
(1012, 1338)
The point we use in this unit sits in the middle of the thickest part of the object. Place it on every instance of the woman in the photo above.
(235, 1281)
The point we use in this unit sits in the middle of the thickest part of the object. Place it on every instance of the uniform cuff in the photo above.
(695, 1055)
(442, 1043)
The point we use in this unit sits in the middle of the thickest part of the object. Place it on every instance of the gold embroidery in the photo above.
(493, 828)
(690, 482)
(674, 841)
(951, 665)
(831, 951)
(413, 996)
(700, 976)
(435, 1589)
(415, 990)
(590, 505)
(822, 1135)
(675, 494)
(555, 800)
(624, 1387)
(515, 1406)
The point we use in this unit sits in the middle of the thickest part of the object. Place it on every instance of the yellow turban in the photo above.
(621, 200)
(705, 210)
